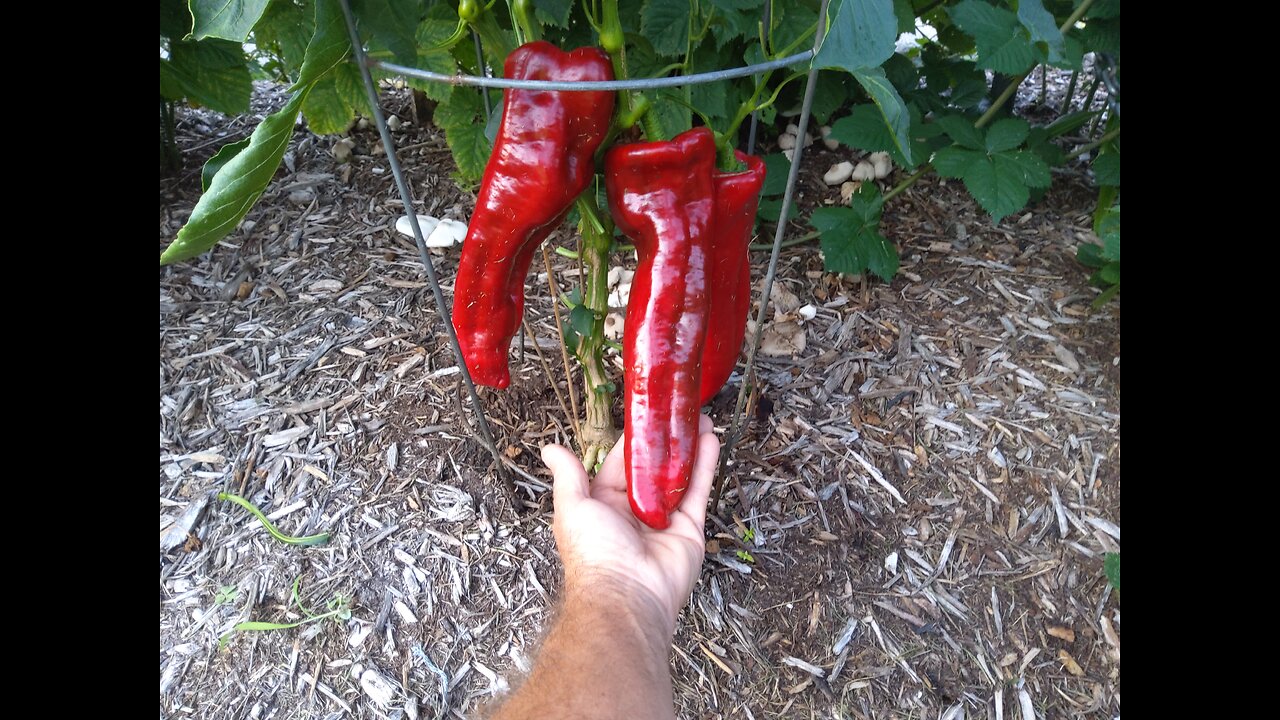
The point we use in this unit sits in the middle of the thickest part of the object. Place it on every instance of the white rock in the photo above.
(838, 173)
(786, 141)
(864, 171)
(378, 688)
(808, 312)
(882, 164)
(825, 130)
(426, 222)
(320, 286)
(393, 122)
(891, 562)
(613, 325)
(447, 234)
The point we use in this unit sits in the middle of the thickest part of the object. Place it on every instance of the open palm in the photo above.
(601, 540)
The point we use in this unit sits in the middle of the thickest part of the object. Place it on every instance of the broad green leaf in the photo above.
(1089, 255)
(962, 130)
(862, 35)
(850, 237)
(326, 111)
(553, 12)
(1042, 27)
(494, 124)
(1101, 36)
(998, 186)
(771, 208)
(470, 150)
(211, 73)
(1111, 566)
(391, 23)
(863, 128)
(1007, 134)
(722, 5)
(642, 61)
(954, 161)
(906, 15)
(902, 73)
(891, 107)
(791, 21)
(730, 24)
(226, 19)
(830, 95)
(175, 19)
(666, 24)
(237, 185)
(329, 44)
(431, 35)
(1039, 142)
(1110, 273)
(711, 99)
(777, 166)
(220, 158)
(1033, 170)
(287, 26)
(581, 320)
(1003, 44)
(673, 117)
(1106, 168)
(461, 108)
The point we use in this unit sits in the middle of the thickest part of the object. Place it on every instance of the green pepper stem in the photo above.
(598, 433)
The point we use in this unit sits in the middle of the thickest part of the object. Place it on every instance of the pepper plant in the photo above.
(938, 103)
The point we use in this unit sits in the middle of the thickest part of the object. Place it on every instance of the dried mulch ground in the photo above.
(914, 526)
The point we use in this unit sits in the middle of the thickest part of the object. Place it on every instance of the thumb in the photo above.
(569, 479)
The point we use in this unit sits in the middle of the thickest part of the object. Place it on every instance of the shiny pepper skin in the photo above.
(729, 274)
(662, 196)
(543, 158)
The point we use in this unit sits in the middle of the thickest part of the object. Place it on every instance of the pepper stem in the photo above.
(598, 432)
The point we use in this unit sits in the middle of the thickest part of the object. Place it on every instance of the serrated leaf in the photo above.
(1043, 28)
(1006, 134)
(891, 107)
(1003, 44)
(954, 161)
(211, 73)
(470, 150)
(432, 33)
(1106, 168)
(390, 23)
(777, 167)
(329, 44)
(1089, 255)
(673, 117)
(326, 111)
(226, 19)
(350, 87)
(830, 95)
(963, 131)
(220, 158)
(850, 237)
(237, 186)
(1038, 143)
(553, 12)
(1111, 566)
(906, 14)
(790, 21)
(729, 25)
(862, 35)
(902, 73)
(666, 24)
(1030, 167)
(997, 186)
(461, 108)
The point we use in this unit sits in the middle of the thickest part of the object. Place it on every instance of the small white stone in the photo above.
(393, 122)
(447, 234)
(786, 141)
(378, 688)
(864, 171)
(426, 222)
(838, 173)
(808, 312)
(891, 562)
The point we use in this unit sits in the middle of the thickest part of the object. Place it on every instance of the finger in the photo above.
(704, 471)
(611, 475)
(705, 425)
(569, 478)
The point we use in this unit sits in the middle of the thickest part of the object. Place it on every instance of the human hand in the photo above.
(601, 541)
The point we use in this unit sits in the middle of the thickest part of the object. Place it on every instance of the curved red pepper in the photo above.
(729, 274)
(542, 160)
(661, 195)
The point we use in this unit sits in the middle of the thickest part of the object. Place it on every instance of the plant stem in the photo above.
(787, 243)
(1071, 91)
(564, 350)
(1095, 144)
(598, 433)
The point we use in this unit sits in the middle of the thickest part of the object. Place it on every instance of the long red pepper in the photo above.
(662, 196)
(542, 160)
(729, 274)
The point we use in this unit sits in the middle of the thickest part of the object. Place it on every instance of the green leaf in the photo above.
(906, 15)
(287, 26)
(902, 73)
(1033, 170)
(963, 131)
(791, 20)
(1106, 168)
(1111, 566)
(666, 24)
(829, 95)
(1039, 143)
(329, 44)
(770, 209)
(237, 185)
(1003, 44)
(895, 113)
(1007, 134)
(673, 117)
(226, 19)
(954, 161)
(1000, 182)
(850, 237)
(554, 12)
(220, 158)
(581, 319)
(1110, 273)
(432, 33)
(777, 166)
(1101, 36)
(862, 35)
(1108, 228)
(1069, 122)
(326, 111)
(350, 87)
(211, 73)
(470, 150)
(391, 23)
(730, 24)
(1089, 255)
(175, 19)
(1042, 27)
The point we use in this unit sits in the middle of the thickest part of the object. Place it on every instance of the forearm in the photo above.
(606, 656)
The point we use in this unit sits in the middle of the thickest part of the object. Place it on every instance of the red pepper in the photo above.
(729, 275)
(542, 160)
(662, 196)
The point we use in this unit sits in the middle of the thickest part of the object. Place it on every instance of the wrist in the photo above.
(628, 603)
